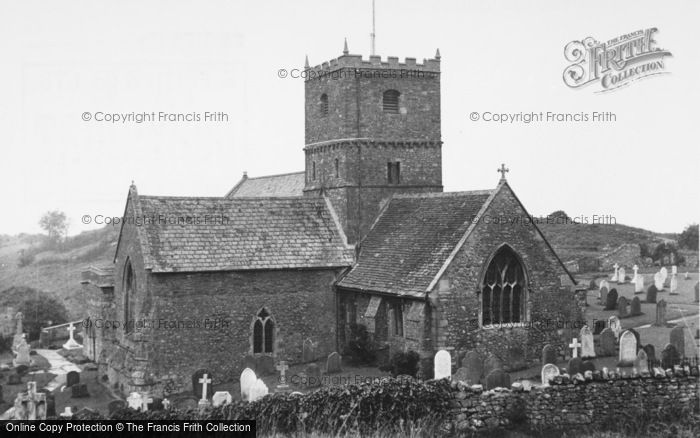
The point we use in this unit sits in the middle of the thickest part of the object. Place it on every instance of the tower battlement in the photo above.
(347, 61)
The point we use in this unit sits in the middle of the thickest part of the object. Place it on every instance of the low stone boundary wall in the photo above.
(570, 403)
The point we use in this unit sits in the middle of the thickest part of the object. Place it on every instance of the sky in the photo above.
(59, 60)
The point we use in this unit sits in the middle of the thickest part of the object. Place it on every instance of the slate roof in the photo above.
(411, 240)
(240, 234)
(288, 184)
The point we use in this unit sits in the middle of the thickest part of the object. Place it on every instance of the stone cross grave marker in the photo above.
(282, 367)
(574, 345)
(205, 381)
(635, 269)
(248, 379)
(549, 371)
(443, 365)
(628, 348)
(71, 344)
(145, 402)
(614, 276)
(587, 345)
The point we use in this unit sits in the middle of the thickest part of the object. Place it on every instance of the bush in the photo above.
(404, 364)
(360, 349)
(26, 259)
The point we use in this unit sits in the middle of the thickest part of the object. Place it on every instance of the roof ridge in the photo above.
(444, 194)
(276, 175)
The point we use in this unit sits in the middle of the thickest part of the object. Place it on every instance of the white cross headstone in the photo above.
(282, 367)
(443, 365)
(248, 379)
(574, 347)
(205, 381)
(614, 277)
(635, 268)
(71, 344)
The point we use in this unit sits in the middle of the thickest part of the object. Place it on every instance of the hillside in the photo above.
(58, 271)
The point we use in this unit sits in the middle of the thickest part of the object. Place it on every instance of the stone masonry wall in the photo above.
(459, 304)
(568, 405)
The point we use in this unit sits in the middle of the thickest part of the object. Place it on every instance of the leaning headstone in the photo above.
(650, 352)
(611, 300)
(116, 405)
(607, 342)
(333, 363)
(587, 345)
(498, 379)
(221, 398)
(549, 371)
(677, 339)
(635, 307)
(248, 379)
(575, 366)
(197, 385)
(549, 354)
(660, 314)
(670, 357)
(641, 363)
(443, 365)
(313, 375)
(616, 326)
(628, 349)
(622, 305)
(72, 378)
(603, 295)
(475, 367)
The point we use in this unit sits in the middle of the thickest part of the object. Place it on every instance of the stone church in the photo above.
(286, 267)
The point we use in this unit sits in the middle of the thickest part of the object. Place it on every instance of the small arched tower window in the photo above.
(337, 168)
(503, 289)
(263, 332)
(323, 105)
(129, 291)
(390, 101)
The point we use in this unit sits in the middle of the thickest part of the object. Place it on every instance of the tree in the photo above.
(55, 224)
(689, 237)
(41, 310)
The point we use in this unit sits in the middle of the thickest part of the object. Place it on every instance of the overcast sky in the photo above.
(60, 59)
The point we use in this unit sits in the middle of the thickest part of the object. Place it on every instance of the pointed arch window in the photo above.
(503, 289)
(263, 332)
(129, 291)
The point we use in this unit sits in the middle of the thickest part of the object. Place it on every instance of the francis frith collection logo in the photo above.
(615, 63)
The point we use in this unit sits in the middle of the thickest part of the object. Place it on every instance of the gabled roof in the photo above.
(287, 184)
(196, 234)
(411, 240)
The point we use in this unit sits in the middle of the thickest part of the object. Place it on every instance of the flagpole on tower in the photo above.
(373, 35)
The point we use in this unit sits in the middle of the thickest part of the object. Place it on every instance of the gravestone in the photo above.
(642, 362)
(635, 268)
(71, 344)
(621, 275)
(607, 342)
(549, 354)
(248, 379)
(443, 365)
(308, 351)
(636, 335)
(135, 401)
(660, 314)
(50, 403)
(475, 367)
(664, 274)
(22, 358)
(622, 310)
(549, 371)
(670, 357)
(497, 379)
(259, 390)
(639, 284)
(673, 287)
(677, 339)
(604, 284)
(196, 384)
(592, 285)
(587, 346)
(313, 375)
(79, 390)
(611, 300)
(650, 351)
(598, 326)
(333, 363)
(614, 276)
(115, 405)
(282, 385)
(603, 295)
(575, 366)
(674, 270)
(615, 325)
(221, 398)
(574, 345)
(697, 292)
(72, 378)
(635, 307)
(491, 363)
(461, 375)
(628, 349)
(659, 281)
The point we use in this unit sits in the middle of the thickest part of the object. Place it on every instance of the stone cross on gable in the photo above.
(503, 171)
(282, 367)
(205, 380)
(574, 347)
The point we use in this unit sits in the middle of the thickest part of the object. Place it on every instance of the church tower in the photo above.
(372, 130)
